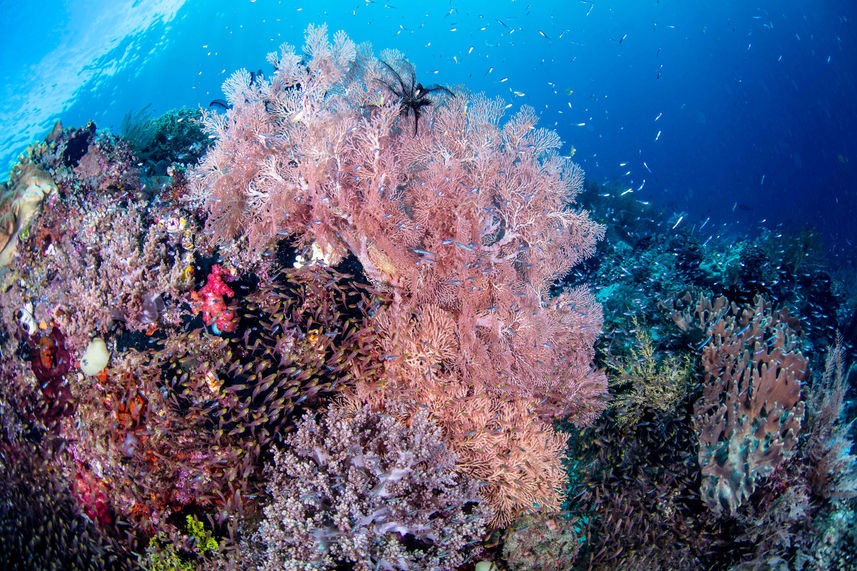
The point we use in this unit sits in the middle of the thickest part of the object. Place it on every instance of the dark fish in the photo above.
(220, 103)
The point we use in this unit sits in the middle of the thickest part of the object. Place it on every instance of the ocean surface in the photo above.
(739, 111)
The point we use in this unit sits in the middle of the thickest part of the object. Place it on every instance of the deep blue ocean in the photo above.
(741, 111)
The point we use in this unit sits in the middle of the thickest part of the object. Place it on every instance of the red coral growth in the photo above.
(210, 301)
(51, 360)
(90, 494)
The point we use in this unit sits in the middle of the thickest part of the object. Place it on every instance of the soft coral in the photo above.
(210, 301)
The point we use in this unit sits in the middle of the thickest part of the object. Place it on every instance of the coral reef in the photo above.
(67, 273)
(171, 140)
(185, 424)
(664, 493)
(310, 331)
(179, 420)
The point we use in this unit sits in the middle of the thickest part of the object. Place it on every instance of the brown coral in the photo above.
(750, 413)
(19, 203)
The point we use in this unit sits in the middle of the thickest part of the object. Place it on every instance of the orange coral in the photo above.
(500, 440)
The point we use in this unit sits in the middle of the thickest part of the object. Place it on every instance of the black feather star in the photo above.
(413, 96)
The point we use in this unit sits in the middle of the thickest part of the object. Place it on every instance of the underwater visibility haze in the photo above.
(444, 285)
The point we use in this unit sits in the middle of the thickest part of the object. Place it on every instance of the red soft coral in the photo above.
(90, 494)
(211, 303)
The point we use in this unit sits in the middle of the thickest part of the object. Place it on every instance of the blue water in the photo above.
(741, 111)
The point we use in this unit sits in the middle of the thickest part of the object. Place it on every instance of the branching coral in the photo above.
(646, 381)
(365, 490)
(832, 468)
(499, 440)
(98, 256)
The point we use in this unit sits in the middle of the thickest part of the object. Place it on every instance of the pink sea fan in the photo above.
(472, 214)
(468, 219)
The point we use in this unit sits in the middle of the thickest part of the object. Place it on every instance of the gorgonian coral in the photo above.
(470, 218)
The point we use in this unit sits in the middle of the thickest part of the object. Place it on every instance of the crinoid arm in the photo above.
(404, 90)
(435, 87)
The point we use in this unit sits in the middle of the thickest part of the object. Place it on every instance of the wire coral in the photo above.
(832, 467)
(356, 488)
